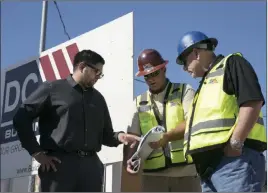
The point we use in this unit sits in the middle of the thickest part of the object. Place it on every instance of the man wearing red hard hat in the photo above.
(166, 104)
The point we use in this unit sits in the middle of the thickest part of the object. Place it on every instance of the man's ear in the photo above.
(197, 53)
(81, 66)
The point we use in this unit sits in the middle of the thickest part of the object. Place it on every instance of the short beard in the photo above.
(160, 89)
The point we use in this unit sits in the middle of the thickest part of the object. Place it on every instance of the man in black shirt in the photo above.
(74, 122)
(225, 133)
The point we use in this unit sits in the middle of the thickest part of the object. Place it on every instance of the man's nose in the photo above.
(150, 79)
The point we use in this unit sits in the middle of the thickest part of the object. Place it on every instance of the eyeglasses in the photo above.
(153, 74)
(183, 59)
(201, 46)
(97, 71)
(181, 62)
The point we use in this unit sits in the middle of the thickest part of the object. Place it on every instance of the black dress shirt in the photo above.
(70, 119)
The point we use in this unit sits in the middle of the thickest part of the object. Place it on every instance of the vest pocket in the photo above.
(159, 153)
(214, 90)
(176, 145)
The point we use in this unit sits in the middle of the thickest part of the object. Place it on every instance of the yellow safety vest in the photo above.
(173, 115)
(213, 116)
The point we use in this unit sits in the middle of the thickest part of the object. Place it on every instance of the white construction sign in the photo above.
(114, 41)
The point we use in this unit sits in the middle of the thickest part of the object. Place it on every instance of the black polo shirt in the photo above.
(70, 119)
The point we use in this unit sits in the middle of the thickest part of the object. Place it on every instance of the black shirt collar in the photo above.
(71, 81)
(74, 84)
(217, 59)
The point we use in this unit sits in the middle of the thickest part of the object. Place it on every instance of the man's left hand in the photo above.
(128, 139)
(161, 143)
(229, 151)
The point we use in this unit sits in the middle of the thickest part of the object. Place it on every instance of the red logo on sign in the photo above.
(60, 62)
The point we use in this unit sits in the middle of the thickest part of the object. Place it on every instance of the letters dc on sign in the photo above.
(19, 84)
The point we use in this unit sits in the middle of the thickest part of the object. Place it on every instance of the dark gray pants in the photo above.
(74, 174)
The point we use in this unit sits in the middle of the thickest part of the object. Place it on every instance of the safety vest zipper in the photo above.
(192, 116)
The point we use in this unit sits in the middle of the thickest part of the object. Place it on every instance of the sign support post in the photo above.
(42, 46)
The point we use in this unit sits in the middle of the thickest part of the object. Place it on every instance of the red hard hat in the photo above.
(149, 61)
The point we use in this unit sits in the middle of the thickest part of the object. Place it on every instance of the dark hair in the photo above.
(87, 56)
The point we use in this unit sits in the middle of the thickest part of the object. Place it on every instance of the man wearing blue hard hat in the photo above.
(225, 134)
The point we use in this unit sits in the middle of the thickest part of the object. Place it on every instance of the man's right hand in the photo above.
(133, 169)
(46, 161)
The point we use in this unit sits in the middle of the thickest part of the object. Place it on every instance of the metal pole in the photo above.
(43, 27)
(42, 46)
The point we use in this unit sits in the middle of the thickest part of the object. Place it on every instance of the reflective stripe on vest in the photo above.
(218, 123)
(215, 115)
(174, 115)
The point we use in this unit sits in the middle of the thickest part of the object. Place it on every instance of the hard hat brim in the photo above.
(144, 72)
(214, 41)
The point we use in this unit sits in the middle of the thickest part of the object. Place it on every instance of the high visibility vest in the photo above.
(213, 116)
(173, 115)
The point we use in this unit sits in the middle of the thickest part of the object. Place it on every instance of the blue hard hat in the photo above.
(190, 40)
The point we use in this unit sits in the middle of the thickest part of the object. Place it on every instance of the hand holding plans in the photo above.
(144, 150)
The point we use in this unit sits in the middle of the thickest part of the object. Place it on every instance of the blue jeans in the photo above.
(245, 173)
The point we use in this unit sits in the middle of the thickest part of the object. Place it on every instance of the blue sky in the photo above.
(239, 26)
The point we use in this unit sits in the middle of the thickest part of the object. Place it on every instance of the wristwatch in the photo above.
(236, 144)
